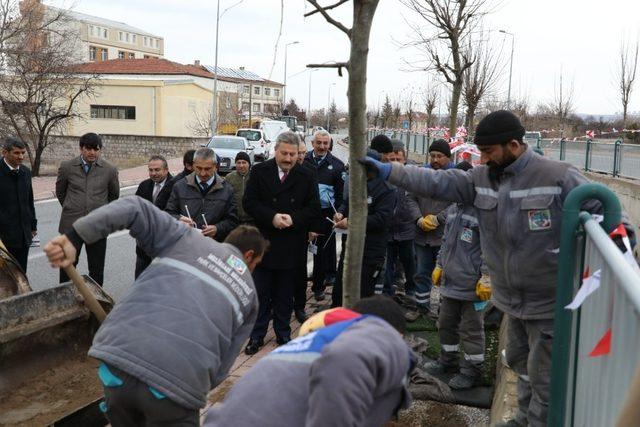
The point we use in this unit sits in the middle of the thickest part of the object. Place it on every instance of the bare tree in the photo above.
(40, 89)
(227, 120)
(396, 114)
(444, 45)
(430, 98)
(358, 34)
(563, 103)
(627, 74)
(410, 109)
(481, 77)
(387, 113)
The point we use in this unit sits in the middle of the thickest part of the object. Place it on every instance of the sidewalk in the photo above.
(44, 187)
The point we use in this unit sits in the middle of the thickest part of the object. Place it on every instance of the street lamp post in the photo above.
(328, 103)
(214, 110)
(284, 90)
(513, 37)
(309, 100)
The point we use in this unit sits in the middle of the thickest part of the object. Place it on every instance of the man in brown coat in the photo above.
(84, 184)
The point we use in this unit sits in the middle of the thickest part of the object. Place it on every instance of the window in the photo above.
(256, 107)
(92, 53)
(245, 107)
(256, 90)
(105, 34)
(132, 55)
(276, 93)
(155, 43)
(267, 91)
(113, 112)
(127, 37)
(145, 41)
(104, 55)
(133, 38)
(120, 54)
(120, 36)
(245, 89)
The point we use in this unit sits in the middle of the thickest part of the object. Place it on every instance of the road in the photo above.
(120, 258)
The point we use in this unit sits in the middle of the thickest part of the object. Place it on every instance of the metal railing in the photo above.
(614, 158)
(589, 391)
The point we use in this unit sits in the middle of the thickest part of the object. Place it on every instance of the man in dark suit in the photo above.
(165, 193)
(84, 184)
(149, 189)
(282, 197)
(18, 222)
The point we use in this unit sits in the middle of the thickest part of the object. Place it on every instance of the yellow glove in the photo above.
(436, 275)
(428, 223)
(483, 288)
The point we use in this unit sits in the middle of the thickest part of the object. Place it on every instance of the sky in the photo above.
(580, 39)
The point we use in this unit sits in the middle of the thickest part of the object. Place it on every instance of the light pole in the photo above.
(513, 37)
(284, 91)
(328, 103)
(214, 110)
(309, 100)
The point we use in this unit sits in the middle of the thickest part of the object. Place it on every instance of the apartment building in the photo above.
(260, 96)
(102, 39)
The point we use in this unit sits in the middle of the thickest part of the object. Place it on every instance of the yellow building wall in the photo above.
(182, 106)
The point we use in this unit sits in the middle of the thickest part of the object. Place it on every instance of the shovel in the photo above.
(89, 299)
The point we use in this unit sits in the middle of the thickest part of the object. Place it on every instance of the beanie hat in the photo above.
(498, 127)
(441, 146)
(243, 156)
(397, 145)
(382, 144)
(464, 165)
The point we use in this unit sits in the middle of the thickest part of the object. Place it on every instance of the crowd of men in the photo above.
(245, 240)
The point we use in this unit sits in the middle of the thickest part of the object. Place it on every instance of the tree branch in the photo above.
(326, 8)
(338, 65)
(329, 19)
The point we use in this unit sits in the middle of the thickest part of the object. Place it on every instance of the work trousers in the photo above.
(459, 323)
(324, 262)
(528, 352)
(95, 260)
(403, 251)
(133, 404)
(426, 257)
(275, 296)
(21, 255)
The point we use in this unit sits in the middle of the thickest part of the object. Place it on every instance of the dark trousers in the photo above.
(427, 257)
(21, 255)
(133, 404)
(324, 262)
(275, 296)
(142, 262)
(300, 287)
(95, 259)
(404, 251)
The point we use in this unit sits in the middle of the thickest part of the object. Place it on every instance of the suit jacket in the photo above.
(145, 190)
(81, 193)
(165, 193)
(17, 212)
(265, 196)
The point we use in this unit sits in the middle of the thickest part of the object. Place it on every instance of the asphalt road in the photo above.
(120, 259)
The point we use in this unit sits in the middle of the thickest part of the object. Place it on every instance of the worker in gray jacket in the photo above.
(518, 196)
(463, 292)
(177, 333)
(350, 373)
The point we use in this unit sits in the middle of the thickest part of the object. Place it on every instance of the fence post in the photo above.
(587, 156)
(564, 290)
(424, 143)
(562, 148)
(538, 141)
(616, 157)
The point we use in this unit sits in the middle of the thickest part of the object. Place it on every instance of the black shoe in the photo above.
(253, 347)
(319, 296)
(301, 316)
(282, 341)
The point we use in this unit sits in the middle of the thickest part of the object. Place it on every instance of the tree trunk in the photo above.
(363, 12)
(455, 102)
(471, 113)
(37, 160)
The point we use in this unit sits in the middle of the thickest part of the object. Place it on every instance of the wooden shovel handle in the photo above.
(89, 300)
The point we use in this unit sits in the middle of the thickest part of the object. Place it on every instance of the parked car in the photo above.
(256, 138)
(226, 148)
(271, 129)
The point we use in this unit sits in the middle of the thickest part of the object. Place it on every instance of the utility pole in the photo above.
(309, 100)
(284, 90)
(214, 110)
(328, 104)
(513, 37)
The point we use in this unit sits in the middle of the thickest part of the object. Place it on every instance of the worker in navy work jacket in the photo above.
(176, 335)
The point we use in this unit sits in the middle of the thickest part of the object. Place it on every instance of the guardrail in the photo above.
(588, 390)
(614, 158)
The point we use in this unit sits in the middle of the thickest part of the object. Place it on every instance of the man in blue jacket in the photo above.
(178, 332)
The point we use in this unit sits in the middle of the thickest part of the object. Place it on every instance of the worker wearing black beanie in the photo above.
(243, 156)
(441, 146)
(498, 127)
(382, 144)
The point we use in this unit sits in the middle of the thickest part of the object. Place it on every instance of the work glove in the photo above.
(428, 223)
(436, 275)
(383, 170)
(483, 288)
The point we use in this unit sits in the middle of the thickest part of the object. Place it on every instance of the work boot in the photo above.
(510, 423)
(253, 347)
(412, 315)
(301, 316)
(436, 368)
(461, 382)
(319, 296)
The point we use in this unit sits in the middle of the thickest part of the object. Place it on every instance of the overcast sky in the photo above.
(581, 38)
